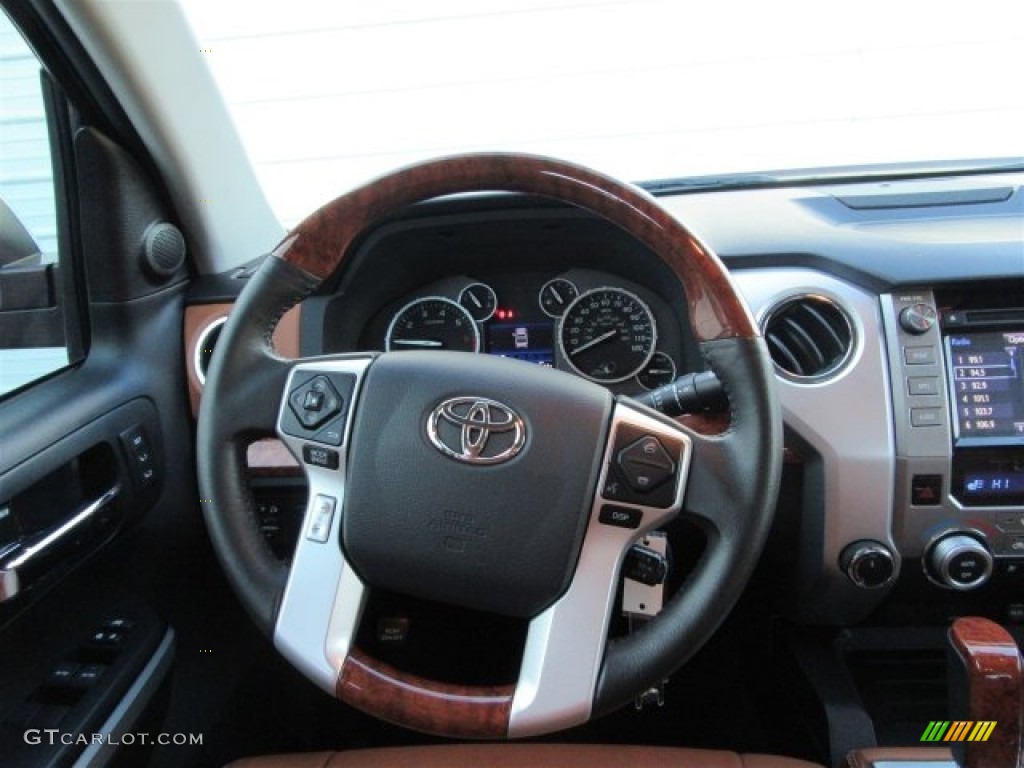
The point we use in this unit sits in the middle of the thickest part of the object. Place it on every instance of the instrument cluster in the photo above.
(597, 326)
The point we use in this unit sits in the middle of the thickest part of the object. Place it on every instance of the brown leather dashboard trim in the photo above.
(199, 317)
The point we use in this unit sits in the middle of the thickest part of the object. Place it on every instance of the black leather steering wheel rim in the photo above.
(734, 477)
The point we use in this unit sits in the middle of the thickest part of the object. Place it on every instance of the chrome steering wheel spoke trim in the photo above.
(323, 599)
(565, 644)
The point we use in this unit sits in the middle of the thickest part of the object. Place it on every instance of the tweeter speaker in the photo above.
(163, 249)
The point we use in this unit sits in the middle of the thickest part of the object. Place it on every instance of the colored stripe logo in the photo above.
(958, 730)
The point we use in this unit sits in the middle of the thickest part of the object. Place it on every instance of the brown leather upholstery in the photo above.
(524, 756)
(908, 756)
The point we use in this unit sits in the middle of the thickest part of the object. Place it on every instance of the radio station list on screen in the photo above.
(987, 379)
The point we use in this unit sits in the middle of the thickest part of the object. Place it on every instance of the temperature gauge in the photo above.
(657, 373)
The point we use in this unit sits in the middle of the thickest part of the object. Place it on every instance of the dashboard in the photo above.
(894, 311)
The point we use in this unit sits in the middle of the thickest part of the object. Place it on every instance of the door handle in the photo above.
(32, 549)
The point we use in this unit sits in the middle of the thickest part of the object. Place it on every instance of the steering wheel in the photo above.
(483, 482)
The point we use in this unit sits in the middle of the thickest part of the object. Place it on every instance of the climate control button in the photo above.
(959, 561)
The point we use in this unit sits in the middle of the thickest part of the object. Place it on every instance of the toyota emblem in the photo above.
(476, 430)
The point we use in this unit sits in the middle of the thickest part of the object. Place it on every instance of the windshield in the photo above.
(327, 95)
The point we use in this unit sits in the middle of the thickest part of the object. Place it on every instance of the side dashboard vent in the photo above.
(809, 337)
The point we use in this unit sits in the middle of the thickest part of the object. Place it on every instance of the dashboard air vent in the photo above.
(809, 337)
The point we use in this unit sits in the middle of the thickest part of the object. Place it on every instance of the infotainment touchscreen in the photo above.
(986, 375)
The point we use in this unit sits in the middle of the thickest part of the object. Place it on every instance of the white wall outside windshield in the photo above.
(327, 94)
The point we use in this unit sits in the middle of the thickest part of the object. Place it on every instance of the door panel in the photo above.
(84, 647)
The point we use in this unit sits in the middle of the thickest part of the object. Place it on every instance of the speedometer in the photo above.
(433, 323)
(607, 335)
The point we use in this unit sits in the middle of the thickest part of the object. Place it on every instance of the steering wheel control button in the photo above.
(315, 402)
(868, 564)
(959, 561)
(316, 456)
(317, 407)
(645, 566)
(640, 468)
(323, 516)
(646, 464)
(620, 517)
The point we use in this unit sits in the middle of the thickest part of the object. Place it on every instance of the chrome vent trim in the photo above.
(810, 337)
(204, 347)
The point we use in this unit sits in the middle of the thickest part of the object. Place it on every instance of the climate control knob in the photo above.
(868, 564)
(959, 561)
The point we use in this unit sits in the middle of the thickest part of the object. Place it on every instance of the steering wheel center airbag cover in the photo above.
(500, 536)
(476, 430)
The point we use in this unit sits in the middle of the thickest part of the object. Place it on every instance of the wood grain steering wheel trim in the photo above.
(469, 712)
(318, 244)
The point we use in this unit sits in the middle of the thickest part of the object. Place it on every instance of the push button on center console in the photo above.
(926, 490)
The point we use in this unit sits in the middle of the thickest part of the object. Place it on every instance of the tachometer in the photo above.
(607, 335)
(433, 323)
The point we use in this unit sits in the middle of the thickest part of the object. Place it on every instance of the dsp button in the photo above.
(646, 464)
(315, 402)
(620, 517)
